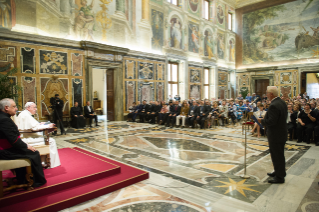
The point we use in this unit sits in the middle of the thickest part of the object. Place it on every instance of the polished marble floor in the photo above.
(196, 170)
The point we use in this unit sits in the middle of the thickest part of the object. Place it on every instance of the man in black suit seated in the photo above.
(154, 112)
(204, 109)
(175, 110)
(143, 111)
(291, 121)
(275, 122)
(149, 110)
(77, 118)
(89, 113)
(192, 114)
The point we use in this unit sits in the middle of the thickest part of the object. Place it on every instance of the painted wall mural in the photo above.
(176, 33)
(28, 60)
(7, 13)
(160, 72)
(195, 82)
(195, 75)
(220, 15)
(209, 50)
(193, 38)
(231, 50)
(130, 70)
(284, 32)
(194, 6)
(158, 30)
(221, 45)
(52, 62)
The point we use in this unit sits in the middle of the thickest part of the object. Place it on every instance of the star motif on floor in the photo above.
(79, 140)
(239, 186)
(294, 147)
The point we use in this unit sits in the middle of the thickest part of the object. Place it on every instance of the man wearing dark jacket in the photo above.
(12, 147)
(203, 113)
(291, 121)
(89, 113)
(154, 112)
(142, 112)
(175, 110)
(192, 114)
(275, 122)
(77, 118)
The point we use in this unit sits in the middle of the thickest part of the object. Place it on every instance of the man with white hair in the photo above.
(275, 123)
(12, 147)
(25, 121)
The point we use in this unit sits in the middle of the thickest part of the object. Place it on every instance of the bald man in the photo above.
(275, 123)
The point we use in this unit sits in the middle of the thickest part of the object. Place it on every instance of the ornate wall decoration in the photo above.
(27, 60)
(176, 33)
(160, 2)
(220, 15)
(49, 88)
(286, 78)
(222, 78)
(158, 30)
(8, 13)
(221, 45)
(193, 38)
(209, 49)
(195, 91)
(8, 59)
(52, 62)
(286, 91)
(29, 90)
(130, 94)
(232, 50)
(130, 70)
(77, 85)
(160, 91)
(160, 71)
(145, 70)
(244, 80)
(287, 83)
(146, 91)
(195, 75)
(222, 92)
(77, 64)
(194, 6)
(103, 18)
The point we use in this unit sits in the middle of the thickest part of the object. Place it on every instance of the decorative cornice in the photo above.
(175, 56)
(145, 54)
(97, 63)
(38, 39)
(103, 48)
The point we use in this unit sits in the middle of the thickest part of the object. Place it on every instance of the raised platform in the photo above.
(82, 176)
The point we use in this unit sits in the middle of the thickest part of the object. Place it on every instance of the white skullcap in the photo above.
(28, 104)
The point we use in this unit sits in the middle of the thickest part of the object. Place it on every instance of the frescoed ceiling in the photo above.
(242, 3)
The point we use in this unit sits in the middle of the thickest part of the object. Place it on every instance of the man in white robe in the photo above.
(25, 121)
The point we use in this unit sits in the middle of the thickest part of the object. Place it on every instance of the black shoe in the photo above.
(272, 174)
(276, 180)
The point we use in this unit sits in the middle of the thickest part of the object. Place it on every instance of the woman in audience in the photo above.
(183, 114)
(162, 113)
(306, 123)
(259, 114)
(213, 114)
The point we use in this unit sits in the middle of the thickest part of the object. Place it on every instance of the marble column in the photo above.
(118, 93)
(216, 81)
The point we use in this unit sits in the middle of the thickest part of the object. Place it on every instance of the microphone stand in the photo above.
(245, 176)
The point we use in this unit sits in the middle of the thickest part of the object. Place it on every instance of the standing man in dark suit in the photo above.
(57, 104)
(89, 113)
(275, 122)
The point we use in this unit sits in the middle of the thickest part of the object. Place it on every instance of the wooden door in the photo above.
(261, 86)
(110, 95)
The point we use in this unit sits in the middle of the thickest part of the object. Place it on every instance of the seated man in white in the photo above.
(25, 121)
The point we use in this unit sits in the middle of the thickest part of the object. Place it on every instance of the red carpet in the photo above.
(82, 176)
